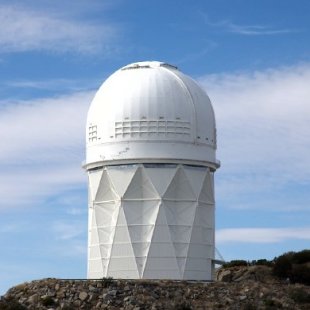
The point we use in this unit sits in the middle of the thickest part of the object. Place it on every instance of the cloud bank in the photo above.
(261, 235)
(28, 29)
(263, 129)
(43, 148)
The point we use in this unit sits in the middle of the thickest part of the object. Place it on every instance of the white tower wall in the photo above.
(151, 221)
(151, 143)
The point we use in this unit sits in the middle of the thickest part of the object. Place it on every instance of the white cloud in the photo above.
(261, 235)
(248, 30)
(255, 30)
(64, 230)
(43, 148)
(263, 129)
(27, 29)
(52, 84)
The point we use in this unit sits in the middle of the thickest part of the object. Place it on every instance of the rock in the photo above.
(33, 299)
(77, 303)
(225, 276)
(112, 292)
(83, 296)
(92, 288)
(248, 290)
(98, 305)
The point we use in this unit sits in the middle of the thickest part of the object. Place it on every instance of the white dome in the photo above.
(150, 112)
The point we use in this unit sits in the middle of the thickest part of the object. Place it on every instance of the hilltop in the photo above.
(238, 287)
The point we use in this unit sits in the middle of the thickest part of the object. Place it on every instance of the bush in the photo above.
(301, 274)
(293, 266)
(299, 295)
(236, 263)
(106, 282)
(271, 304)
(301, 257)
(11, 304)
(261, 262)
(283, 266)
(48, 301)
(183, 306)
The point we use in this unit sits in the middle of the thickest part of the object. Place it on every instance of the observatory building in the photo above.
(150, 159)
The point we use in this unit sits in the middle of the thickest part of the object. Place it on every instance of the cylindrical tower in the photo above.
(151, 142)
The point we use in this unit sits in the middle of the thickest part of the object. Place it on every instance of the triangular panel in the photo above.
(140, 187)
(161, 239)
(160, 177)
(180, 212)
(106, 213)
(105, 250)
(94, 179)
(196, 176)
(106, 234)
(181, 263)
(142, 212)
(161, 231)
(141, 248)
(93, 236)
(180, 233)
(122, 239)
(95, 267)
(207, 192)
(180, 188)
(121, 177)
(91, 218)
(205, 215)
(141, 233)
(105, 191)
(94, 252)
(140, 261)
(181, 249)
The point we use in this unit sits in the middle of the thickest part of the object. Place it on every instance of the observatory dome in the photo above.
(150, 112)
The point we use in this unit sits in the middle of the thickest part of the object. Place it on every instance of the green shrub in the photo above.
(236, 263)
(283, 266)
(183, 306)
(261, 262)
(11, 304)
(106, 281)
(300, 274)
(272, 304)
(301, 257)
(299, 295)
(47, 301)
(293, 266)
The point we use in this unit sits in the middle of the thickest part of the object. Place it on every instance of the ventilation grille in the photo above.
(92, 133)
(152, 128)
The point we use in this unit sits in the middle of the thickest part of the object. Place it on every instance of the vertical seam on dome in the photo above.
(184, 86)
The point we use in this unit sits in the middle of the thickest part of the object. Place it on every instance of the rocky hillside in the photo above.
(237, 288)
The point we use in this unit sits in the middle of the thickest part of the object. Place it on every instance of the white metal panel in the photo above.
(180, 187)
(156, 103)
(161, 177)
(105, 250)
(121, 176)
(94, 251)
(140, 212)
(180, 212)
(106, 213)
(141, 233)
(149, 231)
(105, 190)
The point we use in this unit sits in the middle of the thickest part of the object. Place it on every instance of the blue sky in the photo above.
(253, 59)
